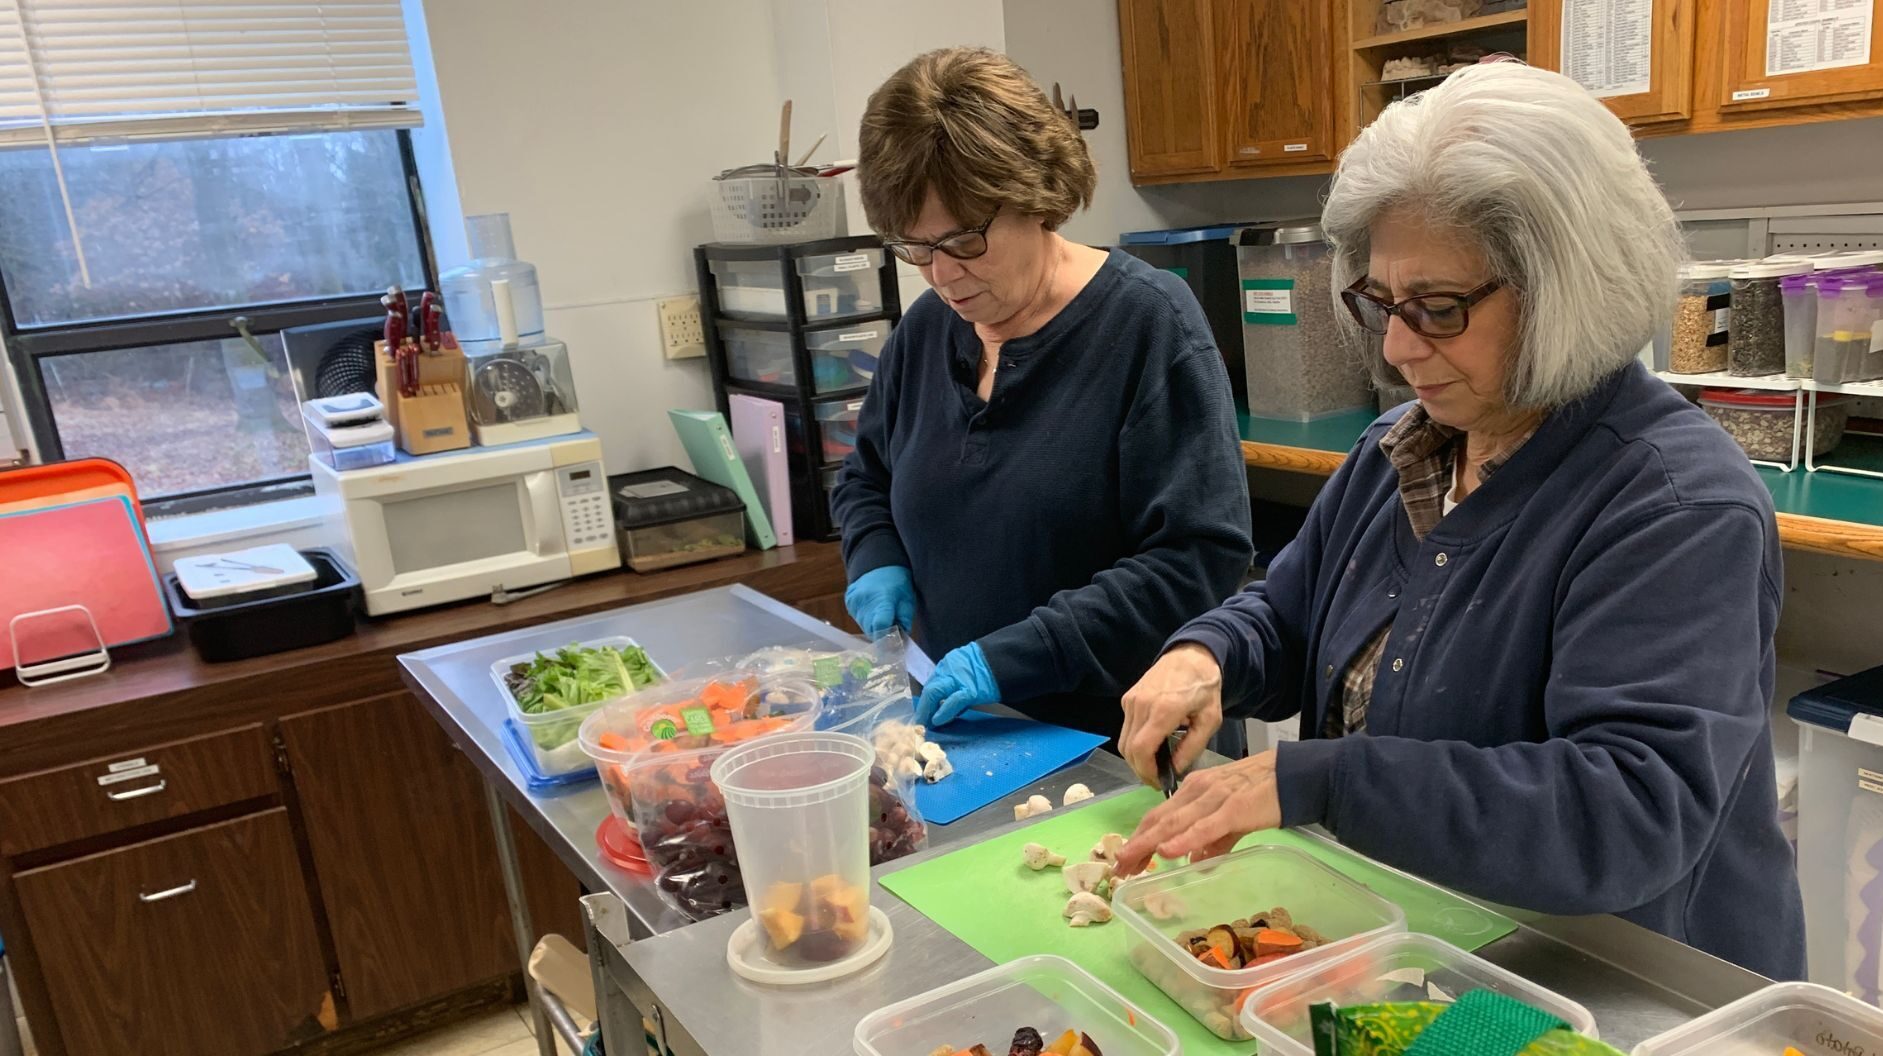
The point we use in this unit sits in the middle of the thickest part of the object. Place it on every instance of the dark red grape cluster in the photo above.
(894, 832)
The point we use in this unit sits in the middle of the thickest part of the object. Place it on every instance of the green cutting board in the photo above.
(988, 899)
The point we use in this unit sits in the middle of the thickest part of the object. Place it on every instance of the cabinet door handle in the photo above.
(137, 793)
(180, 889)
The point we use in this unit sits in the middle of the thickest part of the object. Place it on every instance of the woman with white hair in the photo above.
(1528, 625)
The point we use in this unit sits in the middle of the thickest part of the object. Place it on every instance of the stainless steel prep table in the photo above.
(649, 962)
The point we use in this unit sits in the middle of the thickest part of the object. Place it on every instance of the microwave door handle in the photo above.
(546, 511)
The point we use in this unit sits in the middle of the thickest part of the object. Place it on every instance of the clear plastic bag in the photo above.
(896, 826)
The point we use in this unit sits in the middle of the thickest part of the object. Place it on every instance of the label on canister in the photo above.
(1866, 728)
(852, 262)
(1268, 302)
(1720, 304)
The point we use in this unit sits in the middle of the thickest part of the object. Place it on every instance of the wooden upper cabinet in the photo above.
(1277, 84)
(1607, 43)
(1171, 87)
(1772, 45)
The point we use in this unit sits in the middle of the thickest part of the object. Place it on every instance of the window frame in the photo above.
(28, 347)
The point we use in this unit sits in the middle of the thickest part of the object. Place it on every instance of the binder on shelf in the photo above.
(709, 444)
(758, 432)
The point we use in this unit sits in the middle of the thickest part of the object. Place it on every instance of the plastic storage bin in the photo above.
(1755, 342)
(837, 428)
(846, 358)
(1225, 889)
(835, 285)
(1300, 363)
(1205, 259)
(1277, 1015)
(552, 736)
(213, 581)
(1840, 831)
(348, 432)
(668, 517)
(1800, 296)
(764, 209)
(1765, 422)
(798, 805)
(759, 356)
(1815, 1020)
(1702, 317)
(321, 613)
(1050, 994)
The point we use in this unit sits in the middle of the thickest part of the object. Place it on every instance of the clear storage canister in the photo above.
(1300, 365)
(1701, 317)
(1755, 344)
(1844, 324)
(1800, 296)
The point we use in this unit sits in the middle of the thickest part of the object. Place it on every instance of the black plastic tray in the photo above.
(323, 612)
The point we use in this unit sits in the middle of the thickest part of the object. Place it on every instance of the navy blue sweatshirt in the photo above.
(1571, 715)
(1076, 519)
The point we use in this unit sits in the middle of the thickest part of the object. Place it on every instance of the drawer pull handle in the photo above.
(137, 793)
(180, 889)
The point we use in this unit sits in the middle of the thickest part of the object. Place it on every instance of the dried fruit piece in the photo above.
(1026, 1042)
(782, 926)
(1064, 1043)
(1223, 941)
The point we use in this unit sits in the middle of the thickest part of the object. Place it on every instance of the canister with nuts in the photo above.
(1763, 421)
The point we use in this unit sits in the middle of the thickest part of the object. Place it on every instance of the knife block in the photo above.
(436, 419)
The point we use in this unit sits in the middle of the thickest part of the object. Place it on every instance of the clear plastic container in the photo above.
(1157, 907)
(472, 311)
(352, 446)
(1768, 424)
(1844, 328)
(767, 210)
(760, 356)
(846, 358)
(1702, 317)
(1815, 1020)
(1300, 364)
(835, 285)
(1840, 833)
(1050, 994)
(837, 428)
(662, 546)
(1800, 297)
(1277, 1014)
(553, 736)
(798, 804)
(1873, 314)
(1755, 343)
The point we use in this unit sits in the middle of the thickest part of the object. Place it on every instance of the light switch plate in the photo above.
(680, 332)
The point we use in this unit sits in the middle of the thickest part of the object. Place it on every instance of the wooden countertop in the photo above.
(153, 688)
(1829, 513)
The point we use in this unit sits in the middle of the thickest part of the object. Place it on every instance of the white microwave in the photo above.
(441, 528)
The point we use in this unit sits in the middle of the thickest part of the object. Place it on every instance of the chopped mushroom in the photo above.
(1086, 908)
(1077, 793)
(1087, 877)
(1039, 857)
(1107, 849)
(1032, 808)
(936, 769)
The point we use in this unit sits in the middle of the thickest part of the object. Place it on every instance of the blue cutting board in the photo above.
(995, 756)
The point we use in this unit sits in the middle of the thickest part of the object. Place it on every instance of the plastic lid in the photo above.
(1856, 258)
(242, 571)
(1834, 704)
(1797, 283)
(343, 436)
(1706, 269)
(667, 495)
(745, 952)
(1762, 399)
(620, 847)
(1179, 235)
(1771, 269)
(1283, 233)
(344, 410)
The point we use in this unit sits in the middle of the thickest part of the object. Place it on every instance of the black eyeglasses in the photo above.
(1428, 314)
(965, 244)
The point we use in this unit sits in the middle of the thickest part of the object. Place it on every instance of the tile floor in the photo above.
(503, 1032)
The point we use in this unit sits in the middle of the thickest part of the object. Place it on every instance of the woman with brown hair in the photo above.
(1047, 479)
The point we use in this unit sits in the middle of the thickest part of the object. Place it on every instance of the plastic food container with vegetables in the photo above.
(1784, 1019)
(1306, 912)
(1044, 1006)
(549, 694)
(1401, 967)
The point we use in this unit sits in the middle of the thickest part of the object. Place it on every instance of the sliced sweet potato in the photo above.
(1063, 1044)
(1275, 940)
(1223, 941)
(782, 926)
(783, 895)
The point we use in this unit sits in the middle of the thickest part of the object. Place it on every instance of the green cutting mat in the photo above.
(989, 900)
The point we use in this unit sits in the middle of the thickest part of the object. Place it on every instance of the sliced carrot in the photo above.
(1214, 958)
(614, 742)
(1243, 998)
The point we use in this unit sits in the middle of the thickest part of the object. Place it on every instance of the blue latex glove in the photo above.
(880, 599)
(961, 681)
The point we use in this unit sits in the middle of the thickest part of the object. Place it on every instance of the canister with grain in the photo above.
(1701, 316)
(1800, 296)
(1764, 422)
(1755, 344)
(1301, 365)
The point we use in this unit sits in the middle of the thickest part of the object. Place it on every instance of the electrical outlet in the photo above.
(680, 332)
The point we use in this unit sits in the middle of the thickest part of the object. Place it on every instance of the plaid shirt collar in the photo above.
(1423, 452)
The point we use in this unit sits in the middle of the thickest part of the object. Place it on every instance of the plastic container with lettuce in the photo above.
(550, 693)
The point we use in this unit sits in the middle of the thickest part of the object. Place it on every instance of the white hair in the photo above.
(1546, 181)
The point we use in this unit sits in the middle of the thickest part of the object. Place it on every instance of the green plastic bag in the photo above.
(1479, 1023)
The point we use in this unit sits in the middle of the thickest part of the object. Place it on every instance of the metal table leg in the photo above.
(620, 1021)
(519, 913)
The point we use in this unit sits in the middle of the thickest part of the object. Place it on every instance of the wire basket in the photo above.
(767, 210)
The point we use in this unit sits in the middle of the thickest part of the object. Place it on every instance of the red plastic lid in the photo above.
(621, 848)
(1764, 399)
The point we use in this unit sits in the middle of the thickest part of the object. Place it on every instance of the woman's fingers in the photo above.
(1203, 723)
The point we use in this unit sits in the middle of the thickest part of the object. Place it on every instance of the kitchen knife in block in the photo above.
(436, 419)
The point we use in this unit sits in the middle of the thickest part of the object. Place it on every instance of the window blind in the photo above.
(85, 70)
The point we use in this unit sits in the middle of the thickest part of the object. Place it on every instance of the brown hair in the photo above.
(971, 124)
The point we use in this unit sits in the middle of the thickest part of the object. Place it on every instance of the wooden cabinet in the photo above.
(1754, 46)
(1276, 81)
(1171, 86)
(199, 942)
(403, 851)
(1671, 50)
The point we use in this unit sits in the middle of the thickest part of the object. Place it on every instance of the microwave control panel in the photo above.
(587, 520)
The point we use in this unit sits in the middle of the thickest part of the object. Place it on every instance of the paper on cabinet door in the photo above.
(1806, 35)
(1608, 45)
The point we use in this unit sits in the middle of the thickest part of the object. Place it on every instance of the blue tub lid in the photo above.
(1179, 235)
(1839, 705)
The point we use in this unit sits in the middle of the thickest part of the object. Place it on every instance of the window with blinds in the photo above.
(86, 70)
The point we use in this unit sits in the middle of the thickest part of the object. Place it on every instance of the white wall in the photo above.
(595, 124)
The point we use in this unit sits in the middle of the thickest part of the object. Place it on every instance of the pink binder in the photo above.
(758, 431)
